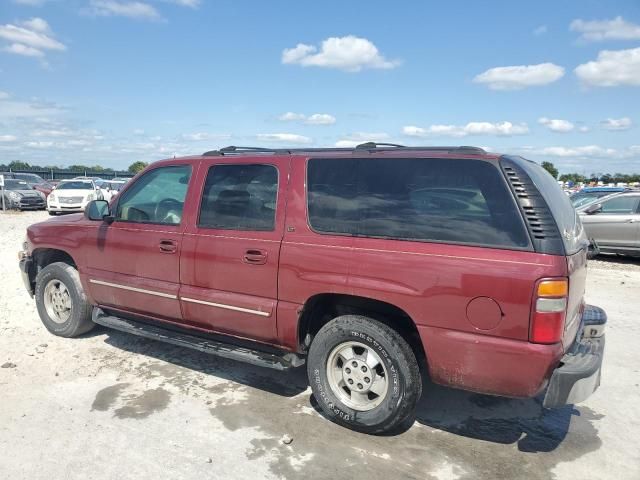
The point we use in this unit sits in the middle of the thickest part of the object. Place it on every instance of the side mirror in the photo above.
(592, 209)
(98, 210)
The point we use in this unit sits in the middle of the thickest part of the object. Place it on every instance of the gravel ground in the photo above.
(110, 405)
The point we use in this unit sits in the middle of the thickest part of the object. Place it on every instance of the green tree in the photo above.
(136, 167)
(550, 167)
(17, 165)
(78, 168)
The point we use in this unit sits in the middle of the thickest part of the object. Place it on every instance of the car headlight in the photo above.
(52, 197)
(41, 195)
(14, 196)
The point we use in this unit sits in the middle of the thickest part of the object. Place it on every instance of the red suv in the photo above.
(377, 266)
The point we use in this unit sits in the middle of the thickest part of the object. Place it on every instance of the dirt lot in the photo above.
(115, 406)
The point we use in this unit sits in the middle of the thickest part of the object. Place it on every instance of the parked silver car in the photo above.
(614, 223)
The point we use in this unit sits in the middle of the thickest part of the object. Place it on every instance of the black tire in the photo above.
(403, 378)
(52, 213)
(79, 320)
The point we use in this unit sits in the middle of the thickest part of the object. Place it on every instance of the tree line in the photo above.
(134, 168)
(593, 177)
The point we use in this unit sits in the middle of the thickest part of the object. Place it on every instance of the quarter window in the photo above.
(239, 197)
(440, 200)
(157, 197)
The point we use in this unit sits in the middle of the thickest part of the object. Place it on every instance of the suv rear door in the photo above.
(133, 264)
(231, 249)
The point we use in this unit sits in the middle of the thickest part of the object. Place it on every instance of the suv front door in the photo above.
(231, 250)
(133, 263)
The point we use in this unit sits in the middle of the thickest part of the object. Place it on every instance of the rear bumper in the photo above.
(578, 375)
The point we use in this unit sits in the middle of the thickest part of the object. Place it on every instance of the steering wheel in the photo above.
(168, 210)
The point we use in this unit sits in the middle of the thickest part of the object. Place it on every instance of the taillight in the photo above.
(549, 311)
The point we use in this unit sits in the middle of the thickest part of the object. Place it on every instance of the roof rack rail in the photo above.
(370, 145)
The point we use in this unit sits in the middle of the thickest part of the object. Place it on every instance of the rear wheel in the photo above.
(363, 374)
(61, 302)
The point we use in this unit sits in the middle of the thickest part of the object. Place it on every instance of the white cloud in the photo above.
(520, 76)
(354, 139)
(583, 129)
(205, 136)
(63, 132)
(320, 119)
(617, 124)
(137, 10)
(612, 68)
(4, 95)
(599, 30)
(314, 119)
(8, 138)
(556, 125)
(284, 138)
(291, 117)
(186, 3)
(30, 38)
(504, 129)
(582, 151)
(350, 53)
(541, 30)
(25, 51)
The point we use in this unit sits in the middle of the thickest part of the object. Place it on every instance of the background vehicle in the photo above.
(19, 195)
(30, 178)
(111, 188)
(614, 223)
(46, 187)
(374, 265)
(590, 194)
(72, 196)
(96, 180)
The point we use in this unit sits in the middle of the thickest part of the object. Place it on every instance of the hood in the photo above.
(25, 193)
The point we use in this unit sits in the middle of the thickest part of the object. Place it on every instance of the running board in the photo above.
(277, 361)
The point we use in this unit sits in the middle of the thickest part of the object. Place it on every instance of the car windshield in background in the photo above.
(583, 198)
(29, 178)
(10, 184)
(75, 185)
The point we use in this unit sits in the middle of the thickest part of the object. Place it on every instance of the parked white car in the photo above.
(72, 196)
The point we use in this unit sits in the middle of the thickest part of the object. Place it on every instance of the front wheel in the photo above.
(363, 374)
(61, 302)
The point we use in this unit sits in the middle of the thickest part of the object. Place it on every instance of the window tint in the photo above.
(442, 200)
(156, 197)
(239, 197)
(620, 205)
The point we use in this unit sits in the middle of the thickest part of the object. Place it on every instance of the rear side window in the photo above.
(239, 197)
(438, 200)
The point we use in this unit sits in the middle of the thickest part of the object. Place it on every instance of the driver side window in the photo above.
(156, 197)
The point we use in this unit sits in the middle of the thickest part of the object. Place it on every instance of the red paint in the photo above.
(472, 305)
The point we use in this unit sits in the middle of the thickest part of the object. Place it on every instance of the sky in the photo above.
(111, 82)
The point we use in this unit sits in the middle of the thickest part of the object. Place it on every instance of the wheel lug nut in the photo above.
(366, 379)
(350, 382)
(360, 386)
(364, 369)
(348, 370)
(354, 363)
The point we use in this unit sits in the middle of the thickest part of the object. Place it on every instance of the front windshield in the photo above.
(75, 185)
(16, 185)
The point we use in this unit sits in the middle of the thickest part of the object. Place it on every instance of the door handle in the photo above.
(255, 257)
(168, 246)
